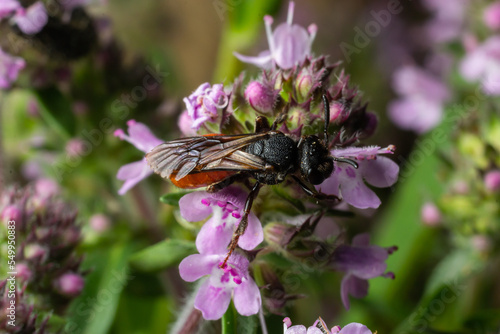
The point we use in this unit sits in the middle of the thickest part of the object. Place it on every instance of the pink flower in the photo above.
(7, 7)
(32, 19)
(141, 137)
(9, 69)
(420, 107)
(225, 209)
(352, 328)
(206, 104)
(360, 262)
(430, 214)
(483, 64)
(348, 182)
(448, 19)
(214, 294)
(289, 45)
(69, 284)
(491, 16)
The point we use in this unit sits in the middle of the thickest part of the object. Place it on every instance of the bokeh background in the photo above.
(446, 281)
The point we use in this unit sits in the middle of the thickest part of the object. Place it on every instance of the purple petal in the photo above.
(232, 194)
(262, 61)
(214, 237)
(356, 193)
(491, 16)
(381, 172)
(331, 185)
(7, 7)
(253, 235)
(355, 328)
(247, 298)
(32, 19)
(297, 329)
(185, 123)
(196, 266)
(360, 240)
(415, 113)
(9, 68)
(351, 285)
(192, 208)
(142, 137)
(292, 45)
(212, 301)
(314, 330)
(412, 80)
(363, 262)
(132, 174)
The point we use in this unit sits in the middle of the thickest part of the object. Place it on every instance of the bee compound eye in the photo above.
(315, 177)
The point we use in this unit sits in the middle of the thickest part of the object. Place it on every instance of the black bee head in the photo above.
(316, 164)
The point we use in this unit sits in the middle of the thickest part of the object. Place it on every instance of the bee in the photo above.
(268, 156)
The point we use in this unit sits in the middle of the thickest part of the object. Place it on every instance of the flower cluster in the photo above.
(319, 327)
(46, 237)
(290, 91)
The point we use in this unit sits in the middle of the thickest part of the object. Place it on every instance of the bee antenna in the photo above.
(347, 161)
(326, 107)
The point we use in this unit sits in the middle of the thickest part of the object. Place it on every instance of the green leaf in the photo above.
(94, 310)
(162, 255)
(56, 111)
(173, 198)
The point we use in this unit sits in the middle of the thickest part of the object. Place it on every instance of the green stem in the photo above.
(229, 320)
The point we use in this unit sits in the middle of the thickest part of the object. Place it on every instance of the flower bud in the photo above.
(304, 84)
(23, 271)
(278, 234)
(260, 97)
(11, 212)
(99, 222)
(69, 284)
(461, 187)
(481, 243)
(430, 214)
(75, 147)
(35, 251)
(46, 188)
(492, 181)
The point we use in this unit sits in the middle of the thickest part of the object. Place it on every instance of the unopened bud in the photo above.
(99, 222)
(260, 97)
(481, 243)
(34, 251)
(430, 214)
(11, 212)
(278, 234)
(75, 147)
(304, 85)
(492, 180)
(23, 272)
(70, 284)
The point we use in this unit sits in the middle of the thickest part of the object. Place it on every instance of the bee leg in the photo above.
(215, 187)
(314, 193)
(242, 226)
